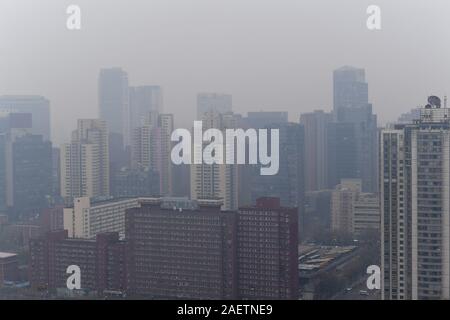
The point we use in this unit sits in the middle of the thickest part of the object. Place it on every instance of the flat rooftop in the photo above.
(315, 258)
(4, 255)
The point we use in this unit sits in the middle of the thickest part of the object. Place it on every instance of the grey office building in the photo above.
(146, 102)
(218, 102)
(113, 99)
(37, 106)
(350, 88)
(352, 109)
(29, 166)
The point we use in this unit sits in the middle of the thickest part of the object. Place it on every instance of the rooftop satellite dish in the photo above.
(434, 101)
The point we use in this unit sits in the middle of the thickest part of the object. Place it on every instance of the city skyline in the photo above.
(224, 150)
(272, 71)
(8, 103)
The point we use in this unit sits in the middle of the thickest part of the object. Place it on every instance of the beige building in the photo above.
(216, 181)
(152, 146)
(352, 211)
(366, 214)
(85, 161)
(86, 219)
(342, 200)
(142, 151)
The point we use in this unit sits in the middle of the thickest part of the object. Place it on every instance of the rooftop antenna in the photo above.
(445, 101)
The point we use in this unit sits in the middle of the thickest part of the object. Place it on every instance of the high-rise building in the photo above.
(94, 131)
(341, 153)
(151, 148)
(353, 112)
(350, 88)
(267, 251)
(142, 182)
(181, 180)
(85, 161)
(317, 218)
(144, 148)
(354, 212)
(113, 99)
(366, 214)
(180, 248)
(144, 100)
(342, 200)
(3, 148)
(216, 181)
(37, 106)
(12, 126)
(56, 174)
(79, 171)
(415, 210)
(316, 124)
(10, 122)
(288, 183)
(215, 102)
(166, 126)
(365, 132)
(28, 175)
(247, 173)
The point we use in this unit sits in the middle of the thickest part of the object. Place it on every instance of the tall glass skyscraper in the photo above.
(353, 110)
(350, 88)
(113, 102)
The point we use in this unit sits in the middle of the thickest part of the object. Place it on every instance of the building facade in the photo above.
(28, 175)
(181, 248)
(84, 163)
(342, 200)
(144, 100)
(113, 98)
(354, 212)
(353, 133)
(151, 149)
(315, 124)
(415, 208)
(86, 219)
(267, 251)
(214, 181)
(101, 261)
(37, 106)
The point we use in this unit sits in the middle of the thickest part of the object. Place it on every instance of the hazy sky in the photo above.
(269, 54)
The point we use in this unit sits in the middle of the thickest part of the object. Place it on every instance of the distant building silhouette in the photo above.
(316, 124)
(113, 98)
(352, 111)
(215, 102)
(37, 106)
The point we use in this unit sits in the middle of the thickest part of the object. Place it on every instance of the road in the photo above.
(354, 294)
